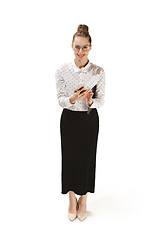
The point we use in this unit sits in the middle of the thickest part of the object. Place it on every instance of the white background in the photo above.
(35, 38)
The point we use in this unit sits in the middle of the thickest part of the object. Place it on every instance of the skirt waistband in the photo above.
(81, 112)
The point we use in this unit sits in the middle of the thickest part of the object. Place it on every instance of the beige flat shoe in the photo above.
(72, 216)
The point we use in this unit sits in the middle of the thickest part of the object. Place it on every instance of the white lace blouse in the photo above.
(68, 77)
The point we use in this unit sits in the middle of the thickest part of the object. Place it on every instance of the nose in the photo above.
(80, 50)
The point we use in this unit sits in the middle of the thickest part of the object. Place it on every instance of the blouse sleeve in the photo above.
(62, 95)
(98, 101)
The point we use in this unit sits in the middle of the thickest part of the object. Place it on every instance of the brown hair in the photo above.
(82, 31)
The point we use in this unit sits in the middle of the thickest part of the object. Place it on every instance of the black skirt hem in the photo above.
(78, 193)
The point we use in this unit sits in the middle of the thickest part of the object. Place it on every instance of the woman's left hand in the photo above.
(88, 97)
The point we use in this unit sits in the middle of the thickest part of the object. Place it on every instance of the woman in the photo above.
(80, 90)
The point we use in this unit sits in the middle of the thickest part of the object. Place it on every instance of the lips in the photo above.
(81, 55)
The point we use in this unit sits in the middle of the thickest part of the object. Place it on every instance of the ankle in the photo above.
(72, 195)
(82, 201)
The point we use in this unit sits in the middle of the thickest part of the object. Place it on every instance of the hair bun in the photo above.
(82, 28)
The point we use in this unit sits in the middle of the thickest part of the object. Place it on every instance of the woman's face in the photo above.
(81, 54)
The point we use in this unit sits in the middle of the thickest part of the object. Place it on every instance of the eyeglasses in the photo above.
(84, 48)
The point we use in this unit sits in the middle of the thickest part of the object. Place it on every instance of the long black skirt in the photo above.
(79, 136)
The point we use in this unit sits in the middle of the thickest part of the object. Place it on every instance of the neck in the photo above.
(82, 63)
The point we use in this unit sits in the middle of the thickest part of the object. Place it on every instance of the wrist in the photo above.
(71, 101)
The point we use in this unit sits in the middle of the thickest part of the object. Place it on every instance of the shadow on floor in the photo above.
(119, 203)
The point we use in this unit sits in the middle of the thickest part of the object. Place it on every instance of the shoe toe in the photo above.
(72, 216)
(82, 217)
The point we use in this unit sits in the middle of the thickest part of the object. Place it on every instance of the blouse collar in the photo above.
(83, 69)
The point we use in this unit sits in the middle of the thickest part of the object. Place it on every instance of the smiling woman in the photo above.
(77, 82)
(81, 37)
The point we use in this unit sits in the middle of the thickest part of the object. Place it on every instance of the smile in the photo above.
(81, 55)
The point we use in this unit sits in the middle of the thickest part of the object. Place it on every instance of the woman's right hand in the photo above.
(78, 96)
